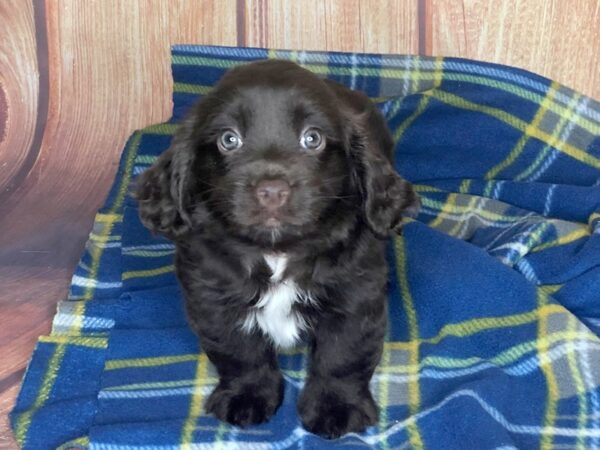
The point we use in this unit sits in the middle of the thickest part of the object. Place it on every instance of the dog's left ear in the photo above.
(387, 197)
(163, 189)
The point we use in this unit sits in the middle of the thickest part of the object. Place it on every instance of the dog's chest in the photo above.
(274, 313)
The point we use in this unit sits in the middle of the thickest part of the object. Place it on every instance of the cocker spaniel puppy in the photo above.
(279, 191)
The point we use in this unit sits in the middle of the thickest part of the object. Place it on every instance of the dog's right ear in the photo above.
(163, 190)
(386, 196)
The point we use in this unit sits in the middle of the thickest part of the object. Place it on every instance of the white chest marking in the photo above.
(273, 313)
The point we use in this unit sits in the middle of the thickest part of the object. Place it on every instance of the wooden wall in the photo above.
(78, 76)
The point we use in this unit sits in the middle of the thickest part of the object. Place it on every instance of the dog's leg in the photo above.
(250, 387)
(336, 397)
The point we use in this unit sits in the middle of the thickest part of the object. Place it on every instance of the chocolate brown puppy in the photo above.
(279, 191)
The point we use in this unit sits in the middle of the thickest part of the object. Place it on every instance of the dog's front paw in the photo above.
(332, 414)
(245, 404)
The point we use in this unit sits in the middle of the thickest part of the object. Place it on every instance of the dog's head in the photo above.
(276, 154)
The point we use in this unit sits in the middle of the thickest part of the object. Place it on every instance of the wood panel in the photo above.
(19, 87)
(6, 401)
(199, 22)
(19, 90)
(384, 26)
(554, 38)
(109, 74)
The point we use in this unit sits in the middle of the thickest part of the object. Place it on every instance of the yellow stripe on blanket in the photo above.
(148, 362)
(93, 342)
(147, 273)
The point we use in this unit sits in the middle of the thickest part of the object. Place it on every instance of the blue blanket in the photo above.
(494, 291)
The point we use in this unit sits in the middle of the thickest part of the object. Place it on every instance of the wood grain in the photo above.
(6, 401)
(19, 91)
(554, 38)
(385, 26)
(200, 22)
(19, 87)
(109, 75)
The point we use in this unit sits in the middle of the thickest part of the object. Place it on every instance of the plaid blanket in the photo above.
(494, 292)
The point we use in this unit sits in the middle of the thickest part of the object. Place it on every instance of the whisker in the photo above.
(208, 184)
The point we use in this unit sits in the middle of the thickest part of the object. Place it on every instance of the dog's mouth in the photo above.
(272, 222)
(270, 230)
(275, 219)
(272, 219)
(278, 220)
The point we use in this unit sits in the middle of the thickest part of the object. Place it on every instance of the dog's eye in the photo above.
(312, 139)
(229, 141)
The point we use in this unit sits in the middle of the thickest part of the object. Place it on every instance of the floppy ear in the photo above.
(387, 197)
(163, 190)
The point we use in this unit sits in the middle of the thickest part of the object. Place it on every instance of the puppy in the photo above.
(279, 191)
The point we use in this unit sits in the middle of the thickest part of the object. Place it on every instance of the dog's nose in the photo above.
(272, 194)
